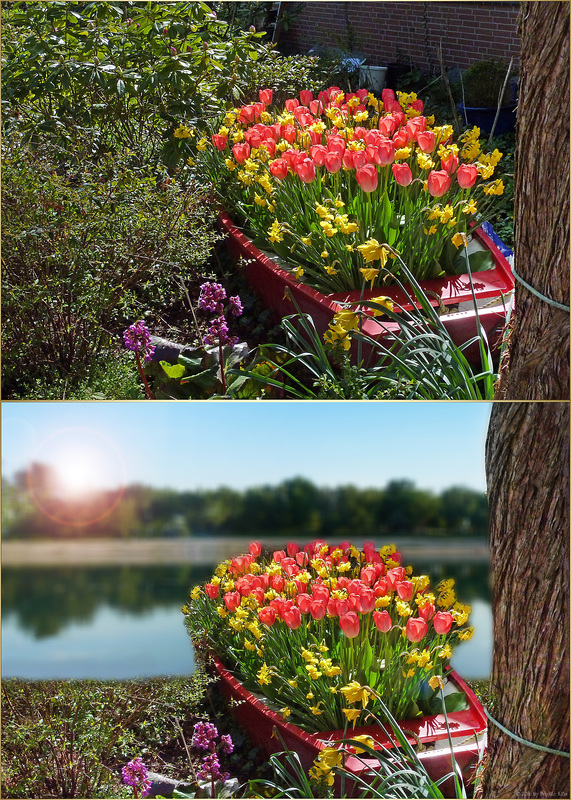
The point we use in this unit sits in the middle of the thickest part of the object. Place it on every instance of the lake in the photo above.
(101, 610)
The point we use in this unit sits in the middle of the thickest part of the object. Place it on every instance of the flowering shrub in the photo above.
(328, 182)
(323, 632)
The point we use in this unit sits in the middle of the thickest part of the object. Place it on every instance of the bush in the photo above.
(84, 252)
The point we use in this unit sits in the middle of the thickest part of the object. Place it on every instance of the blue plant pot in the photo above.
(484, 118)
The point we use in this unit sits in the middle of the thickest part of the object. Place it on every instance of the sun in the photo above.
(77, 466)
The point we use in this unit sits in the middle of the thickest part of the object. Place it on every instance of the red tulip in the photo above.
(255, 549)
(270, 145)
(381, 587)
(426, 141)
(368, 178)
(247, 113)
(387, 94)
(292, 548)
(438, 182)
(304, 602)
(279, 556)
(292, 617)
(232, 600)
(387, 125)
(320, 592)
(349, 624)
(219, 141)
(416, 629)
(368, 575)
(258, 595)
(402, 173)
(302, 559)
(243, 585)
(332, 607)
(241, 152)
(267, 615)
(336, 144)
(348, 162)
(449, 163)
(316, 107)
(400, 139)
(306, 170)
(306, 97)
(211, 590)
(277, 582)
(466, 175)
(333, 162)
(342, 606)
(315, 136)
(394, 576)
(289, 133)
(291, 103)
(318, 153)
(442, 622)
(382, 620)
(405, 590)
(265, 96)
(415, 126)
(418, 105)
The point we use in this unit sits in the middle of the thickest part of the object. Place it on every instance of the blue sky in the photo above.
(240, 444)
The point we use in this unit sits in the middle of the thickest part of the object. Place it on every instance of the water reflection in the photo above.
(125, 622)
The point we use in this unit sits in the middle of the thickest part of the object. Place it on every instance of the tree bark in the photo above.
(537, 364)
(527, 467)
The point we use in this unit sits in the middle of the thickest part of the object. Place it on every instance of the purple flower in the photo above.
(212, 297)
(226, 744)
(135, 775)
(204, 735)
(210, 769)
(137, 337)
(218, 331)
(236, 307)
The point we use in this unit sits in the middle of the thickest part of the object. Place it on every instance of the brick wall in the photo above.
(409, 32)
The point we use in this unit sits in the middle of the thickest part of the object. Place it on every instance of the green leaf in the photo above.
(457, 701)
(479, 261)
(173, 370)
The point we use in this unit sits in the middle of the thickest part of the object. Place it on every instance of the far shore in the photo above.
(210, 550)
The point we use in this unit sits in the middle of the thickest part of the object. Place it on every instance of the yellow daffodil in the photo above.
(371, 250)
(369, 273)
(470, 207)
(459, 239)
(355, 693)
(364, 739)
(183, 132)
(352, 714)
(435, 682)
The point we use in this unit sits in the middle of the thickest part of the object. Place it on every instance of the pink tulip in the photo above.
(381, 588)
(449, 163)
(359, 159)
(367, 599)
(306, 97)
(255, 549)
(277, 582)
(386, 156)
(320, 592)
(349, 624)
(405, 590)
(415, 126)
(292, 548)
(302, 559)
(211, 590)
(342, 606)
(279, 556)
(416, 629)
(394, 576)
(400, 139)
(368, 575)
(265, 96)
(438, 182)
(427, 611)
(426, 141)
(382, 620)
(387, 125)
(318, 153)
(442, 622)
(304, 602)
(387, 94)
(258, 595)
(289, 133)
(315, 136)
(466, 175)
(267, 615)
(402, 173)
(291, 103)
(292, 617)
(306, 170)
(318, 609)
(348, 162)
(368, 178)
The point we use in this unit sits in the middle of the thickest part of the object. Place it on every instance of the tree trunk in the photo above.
(527, 467)
(537, 367)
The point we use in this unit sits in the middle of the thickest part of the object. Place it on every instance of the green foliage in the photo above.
(286, 509)
(83, 251)
(483, 83)
(117, 72)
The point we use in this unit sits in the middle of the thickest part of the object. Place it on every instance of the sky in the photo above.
(204, 445)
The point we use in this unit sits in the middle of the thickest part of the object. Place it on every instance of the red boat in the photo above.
(491, 288)
(429, 734)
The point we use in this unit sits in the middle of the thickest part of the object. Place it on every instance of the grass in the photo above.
(71, 738)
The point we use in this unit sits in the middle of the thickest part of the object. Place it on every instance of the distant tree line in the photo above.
(292, 507)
